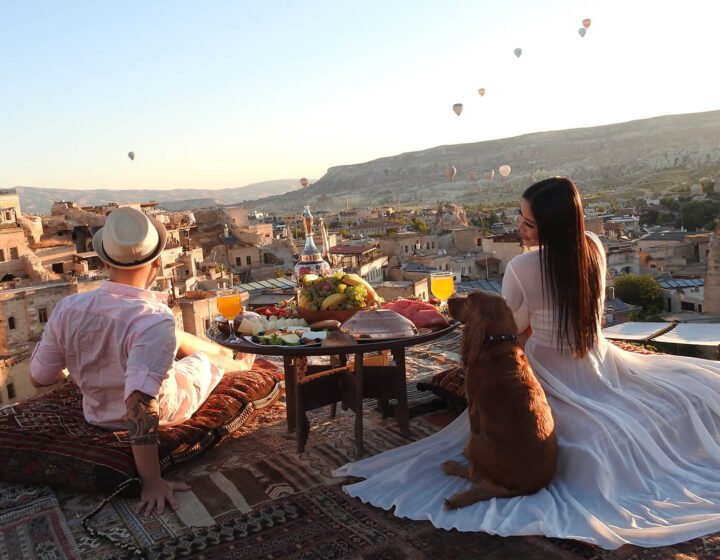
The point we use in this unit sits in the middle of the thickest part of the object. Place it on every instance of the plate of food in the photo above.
(289, 337)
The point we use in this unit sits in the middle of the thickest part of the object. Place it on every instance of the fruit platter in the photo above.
(337, 296)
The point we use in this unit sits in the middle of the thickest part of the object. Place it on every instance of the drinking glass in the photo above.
(229, 305)
(442, 285)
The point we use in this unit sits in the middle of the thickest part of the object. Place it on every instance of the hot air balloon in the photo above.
(458, 107)
(304, 182)
(504, 170)
(450, 172)
(481, 91)
(587, 22)
(131, 155)
(518, 52)
(582, 31)
(489, 174)
(472, 176)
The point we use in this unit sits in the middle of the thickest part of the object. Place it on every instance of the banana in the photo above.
(352, 279)
(308, 279)
(355, 280)
(303, 300)
(332, 302)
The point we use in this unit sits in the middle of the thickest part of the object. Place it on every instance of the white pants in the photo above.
(189, 383)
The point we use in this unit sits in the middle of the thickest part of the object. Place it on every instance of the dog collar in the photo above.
(500, 337)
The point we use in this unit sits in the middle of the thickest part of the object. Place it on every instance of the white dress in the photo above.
(638, 435)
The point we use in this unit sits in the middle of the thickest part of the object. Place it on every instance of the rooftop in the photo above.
(671, 283)
(351, 250)
(665, 236)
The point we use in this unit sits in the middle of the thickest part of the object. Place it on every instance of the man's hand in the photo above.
(156, 492)
(143, 426)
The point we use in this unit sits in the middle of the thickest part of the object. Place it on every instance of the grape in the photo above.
(316, 292)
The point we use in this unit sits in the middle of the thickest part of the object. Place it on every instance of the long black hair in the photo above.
(569, 262)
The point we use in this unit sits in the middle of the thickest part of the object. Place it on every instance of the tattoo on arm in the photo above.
(143, 420)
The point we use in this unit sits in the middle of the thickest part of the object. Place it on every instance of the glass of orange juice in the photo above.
(442, 285)
(229, 305)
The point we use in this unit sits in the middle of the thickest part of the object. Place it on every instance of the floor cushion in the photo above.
(449, 384)
(46, 440)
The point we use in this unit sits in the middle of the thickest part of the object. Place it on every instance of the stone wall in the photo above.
(712, 275)
(15, 378)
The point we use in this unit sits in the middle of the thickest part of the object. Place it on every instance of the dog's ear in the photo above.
(501, 317)
(473, 336)
(457, 307)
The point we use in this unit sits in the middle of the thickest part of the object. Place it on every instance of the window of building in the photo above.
(8, 216)
(43, 314)
(238, 261)
(11, 391)
(406, 248)
(11, 322)
(248, 260)
(433, 244)
(2, 255)
(14, 253)
(57, 267)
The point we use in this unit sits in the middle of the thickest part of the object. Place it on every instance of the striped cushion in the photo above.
(46, 440)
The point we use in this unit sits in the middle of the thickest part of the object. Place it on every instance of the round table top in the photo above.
(370, 345)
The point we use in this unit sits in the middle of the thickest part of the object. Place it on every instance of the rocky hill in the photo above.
(635, 158)
(643, 156)
(38, 200)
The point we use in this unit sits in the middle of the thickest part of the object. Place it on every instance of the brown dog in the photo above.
(512, 449)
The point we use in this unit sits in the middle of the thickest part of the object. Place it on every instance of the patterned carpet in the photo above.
(32, 526)
(253, 497)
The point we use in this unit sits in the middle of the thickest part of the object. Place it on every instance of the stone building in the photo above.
(622, 257)
(503, 247)
(24, 311)
(198, 308)
(13, 246)
(405, 245)
(711, 302)
(390, 290)
(366, 261)
(682, 294)
(9, 206)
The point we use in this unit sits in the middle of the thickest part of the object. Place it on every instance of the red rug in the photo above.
(32, 526)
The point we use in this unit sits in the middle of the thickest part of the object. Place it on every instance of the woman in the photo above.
(639, 436)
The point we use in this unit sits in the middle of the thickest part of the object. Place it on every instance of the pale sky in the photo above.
(223, 94)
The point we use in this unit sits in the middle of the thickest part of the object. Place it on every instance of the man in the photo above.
(119, 342)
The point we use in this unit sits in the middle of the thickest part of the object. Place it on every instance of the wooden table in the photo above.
(310, 386)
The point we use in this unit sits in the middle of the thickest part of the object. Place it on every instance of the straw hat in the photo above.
(130, 239)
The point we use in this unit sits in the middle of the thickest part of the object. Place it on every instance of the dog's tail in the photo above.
(483, 490)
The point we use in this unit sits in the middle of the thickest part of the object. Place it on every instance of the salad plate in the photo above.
(285, 339)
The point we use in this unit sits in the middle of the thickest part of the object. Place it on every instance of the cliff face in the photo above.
(662, 151)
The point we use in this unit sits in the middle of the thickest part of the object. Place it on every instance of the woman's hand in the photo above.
(156, 493)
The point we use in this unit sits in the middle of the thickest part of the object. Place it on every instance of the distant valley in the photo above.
(38, 200)
(626, 159)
